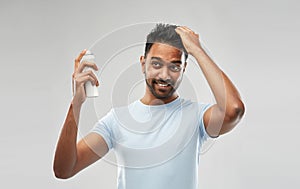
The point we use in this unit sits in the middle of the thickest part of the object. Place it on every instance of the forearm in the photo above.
(229, 108)
(226, 95)
(66, 150)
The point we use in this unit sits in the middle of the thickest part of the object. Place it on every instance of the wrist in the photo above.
(198, 52)
(75, 107)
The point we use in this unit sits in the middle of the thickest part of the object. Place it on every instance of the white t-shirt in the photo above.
(156, 146)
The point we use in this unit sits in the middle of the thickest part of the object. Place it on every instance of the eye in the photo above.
(156, 64)
(175, 68)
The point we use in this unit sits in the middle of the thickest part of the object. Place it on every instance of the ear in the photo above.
(142, 61)
(185, 64)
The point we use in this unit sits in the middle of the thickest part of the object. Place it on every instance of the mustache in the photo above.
(168, 81)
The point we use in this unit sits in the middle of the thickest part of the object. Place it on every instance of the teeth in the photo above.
(162, 85)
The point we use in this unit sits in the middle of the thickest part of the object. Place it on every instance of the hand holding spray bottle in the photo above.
(90, 89)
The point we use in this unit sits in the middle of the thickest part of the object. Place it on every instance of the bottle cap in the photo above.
(88, 52)
(88, 56)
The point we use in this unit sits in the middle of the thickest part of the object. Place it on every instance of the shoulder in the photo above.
(117, 113)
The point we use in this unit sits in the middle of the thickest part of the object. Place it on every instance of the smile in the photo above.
(162, 84)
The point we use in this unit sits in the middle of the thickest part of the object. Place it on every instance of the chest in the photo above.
(157, 140)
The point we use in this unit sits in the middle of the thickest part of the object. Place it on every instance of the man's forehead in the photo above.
(165, 51)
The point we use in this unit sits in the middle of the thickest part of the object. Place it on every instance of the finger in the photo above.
(82, 80)
(182, 31)
(92, 74)
(87, 75)
(91, 79)
(85, 64)
(187, 29)
(179, 30)
(85, 79)
(183, 28)
(78, 59)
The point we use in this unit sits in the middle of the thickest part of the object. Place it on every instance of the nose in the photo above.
(164, 73)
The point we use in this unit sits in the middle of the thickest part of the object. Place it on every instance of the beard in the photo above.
(161, 93)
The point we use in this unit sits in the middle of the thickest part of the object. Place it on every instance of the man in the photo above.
(157, 139)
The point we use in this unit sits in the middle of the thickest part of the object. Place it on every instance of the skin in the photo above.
(71, 157)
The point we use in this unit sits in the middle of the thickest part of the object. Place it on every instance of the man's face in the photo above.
(163, 67)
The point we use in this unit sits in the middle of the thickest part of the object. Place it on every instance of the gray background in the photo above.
(254, 42)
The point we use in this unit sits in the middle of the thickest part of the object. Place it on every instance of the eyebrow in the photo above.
(160, 59)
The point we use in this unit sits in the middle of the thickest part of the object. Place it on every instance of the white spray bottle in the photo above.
(90, 89)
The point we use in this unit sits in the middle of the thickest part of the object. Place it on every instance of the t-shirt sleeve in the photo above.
(203, 134)
(104, 128)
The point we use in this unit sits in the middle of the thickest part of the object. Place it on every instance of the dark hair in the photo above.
(164, 33)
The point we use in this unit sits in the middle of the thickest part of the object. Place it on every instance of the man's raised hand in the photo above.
(189, 39)
(80, 77)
